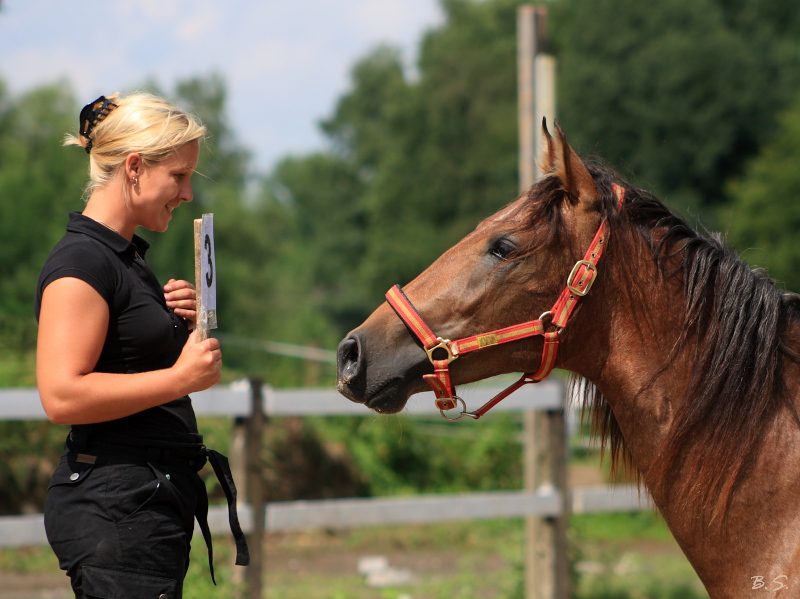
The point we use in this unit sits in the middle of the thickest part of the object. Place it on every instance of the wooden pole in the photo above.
(544, 464)
(205, 276)
(238, 460)
(202, 324)
(526, 50)
(255, 490)
(545, 99)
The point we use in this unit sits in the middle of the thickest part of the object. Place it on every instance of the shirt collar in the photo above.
(78, 223)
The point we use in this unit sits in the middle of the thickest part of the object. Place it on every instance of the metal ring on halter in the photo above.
(460, 415)
(550, 314)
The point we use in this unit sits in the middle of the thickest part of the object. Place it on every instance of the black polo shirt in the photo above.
(143, 334)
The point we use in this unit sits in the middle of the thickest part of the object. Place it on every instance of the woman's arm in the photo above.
(73, 322)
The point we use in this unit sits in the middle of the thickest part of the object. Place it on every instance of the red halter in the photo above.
(579, 282)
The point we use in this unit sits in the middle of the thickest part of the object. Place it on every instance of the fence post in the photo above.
(254, 434)
(238, 461)
(526, 102)
(546, 567)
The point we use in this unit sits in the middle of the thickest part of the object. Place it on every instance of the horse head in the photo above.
(510, 269)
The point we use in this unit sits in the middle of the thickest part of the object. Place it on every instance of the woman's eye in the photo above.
(501, 249)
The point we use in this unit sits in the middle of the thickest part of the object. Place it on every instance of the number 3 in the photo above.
(210, 273)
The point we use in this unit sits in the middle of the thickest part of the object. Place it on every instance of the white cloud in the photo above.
(390, 19)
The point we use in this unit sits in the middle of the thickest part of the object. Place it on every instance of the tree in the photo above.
(415, 162)
(765, 211)
(679, 93)
(40, 183)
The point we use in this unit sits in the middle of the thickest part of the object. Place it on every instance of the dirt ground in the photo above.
(34, 586)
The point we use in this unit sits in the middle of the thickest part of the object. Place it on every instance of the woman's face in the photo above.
(163, 186)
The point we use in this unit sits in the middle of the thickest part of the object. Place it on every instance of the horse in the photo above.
(690, 358)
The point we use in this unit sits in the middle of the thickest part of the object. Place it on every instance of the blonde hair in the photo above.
(141, 123)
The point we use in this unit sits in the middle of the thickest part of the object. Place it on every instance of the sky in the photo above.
(285, 62)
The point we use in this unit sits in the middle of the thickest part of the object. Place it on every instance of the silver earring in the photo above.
(135, 181)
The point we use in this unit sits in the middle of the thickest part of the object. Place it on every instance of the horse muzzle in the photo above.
(378, 372)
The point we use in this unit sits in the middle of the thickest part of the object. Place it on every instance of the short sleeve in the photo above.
(80, 258)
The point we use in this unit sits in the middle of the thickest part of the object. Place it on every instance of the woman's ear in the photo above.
(133, 166)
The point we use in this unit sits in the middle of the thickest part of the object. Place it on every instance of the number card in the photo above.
(205, 271)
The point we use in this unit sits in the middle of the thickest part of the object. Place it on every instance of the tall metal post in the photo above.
(546, 566)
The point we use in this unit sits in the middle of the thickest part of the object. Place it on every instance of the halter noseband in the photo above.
(443, 351)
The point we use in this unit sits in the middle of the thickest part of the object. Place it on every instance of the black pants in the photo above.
(121, 526)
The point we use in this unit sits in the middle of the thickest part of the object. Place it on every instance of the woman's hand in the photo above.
(200, 363)
(182, 299)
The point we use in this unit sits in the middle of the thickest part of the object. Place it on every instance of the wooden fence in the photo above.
(247, 403)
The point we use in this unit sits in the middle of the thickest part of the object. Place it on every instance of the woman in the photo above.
(116, 360)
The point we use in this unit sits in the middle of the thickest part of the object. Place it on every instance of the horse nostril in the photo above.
(349, 354)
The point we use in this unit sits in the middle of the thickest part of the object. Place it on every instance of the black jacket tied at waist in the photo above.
(223, 471)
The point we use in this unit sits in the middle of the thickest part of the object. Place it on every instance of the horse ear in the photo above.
(562, 161)
(548, 161)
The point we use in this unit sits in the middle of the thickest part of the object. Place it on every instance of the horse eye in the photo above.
(501, 248)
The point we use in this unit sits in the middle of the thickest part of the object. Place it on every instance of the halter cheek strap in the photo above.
(441, 352)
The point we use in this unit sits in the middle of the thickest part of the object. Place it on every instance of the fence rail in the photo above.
(235, 401)
(343, 514)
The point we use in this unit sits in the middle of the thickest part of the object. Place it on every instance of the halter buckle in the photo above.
(443, 344)
(590, 268)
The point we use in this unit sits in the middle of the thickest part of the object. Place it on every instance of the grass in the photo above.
(26, 560)
(614, 556)
(629, 556)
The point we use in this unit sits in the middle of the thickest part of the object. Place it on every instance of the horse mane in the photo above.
(734, 322)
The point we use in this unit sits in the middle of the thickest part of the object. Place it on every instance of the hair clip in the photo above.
(91, 115)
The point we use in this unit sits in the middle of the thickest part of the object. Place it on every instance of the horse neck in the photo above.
(623, 341)
(620, 340)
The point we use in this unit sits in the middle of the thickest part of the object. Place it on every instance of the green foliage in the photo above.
(29, 452)
(415, 163)
(198, 583)
(679, 93)
(621, 527)
(40, 183)
(316, 233)
(765, 212)
(404, 456)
